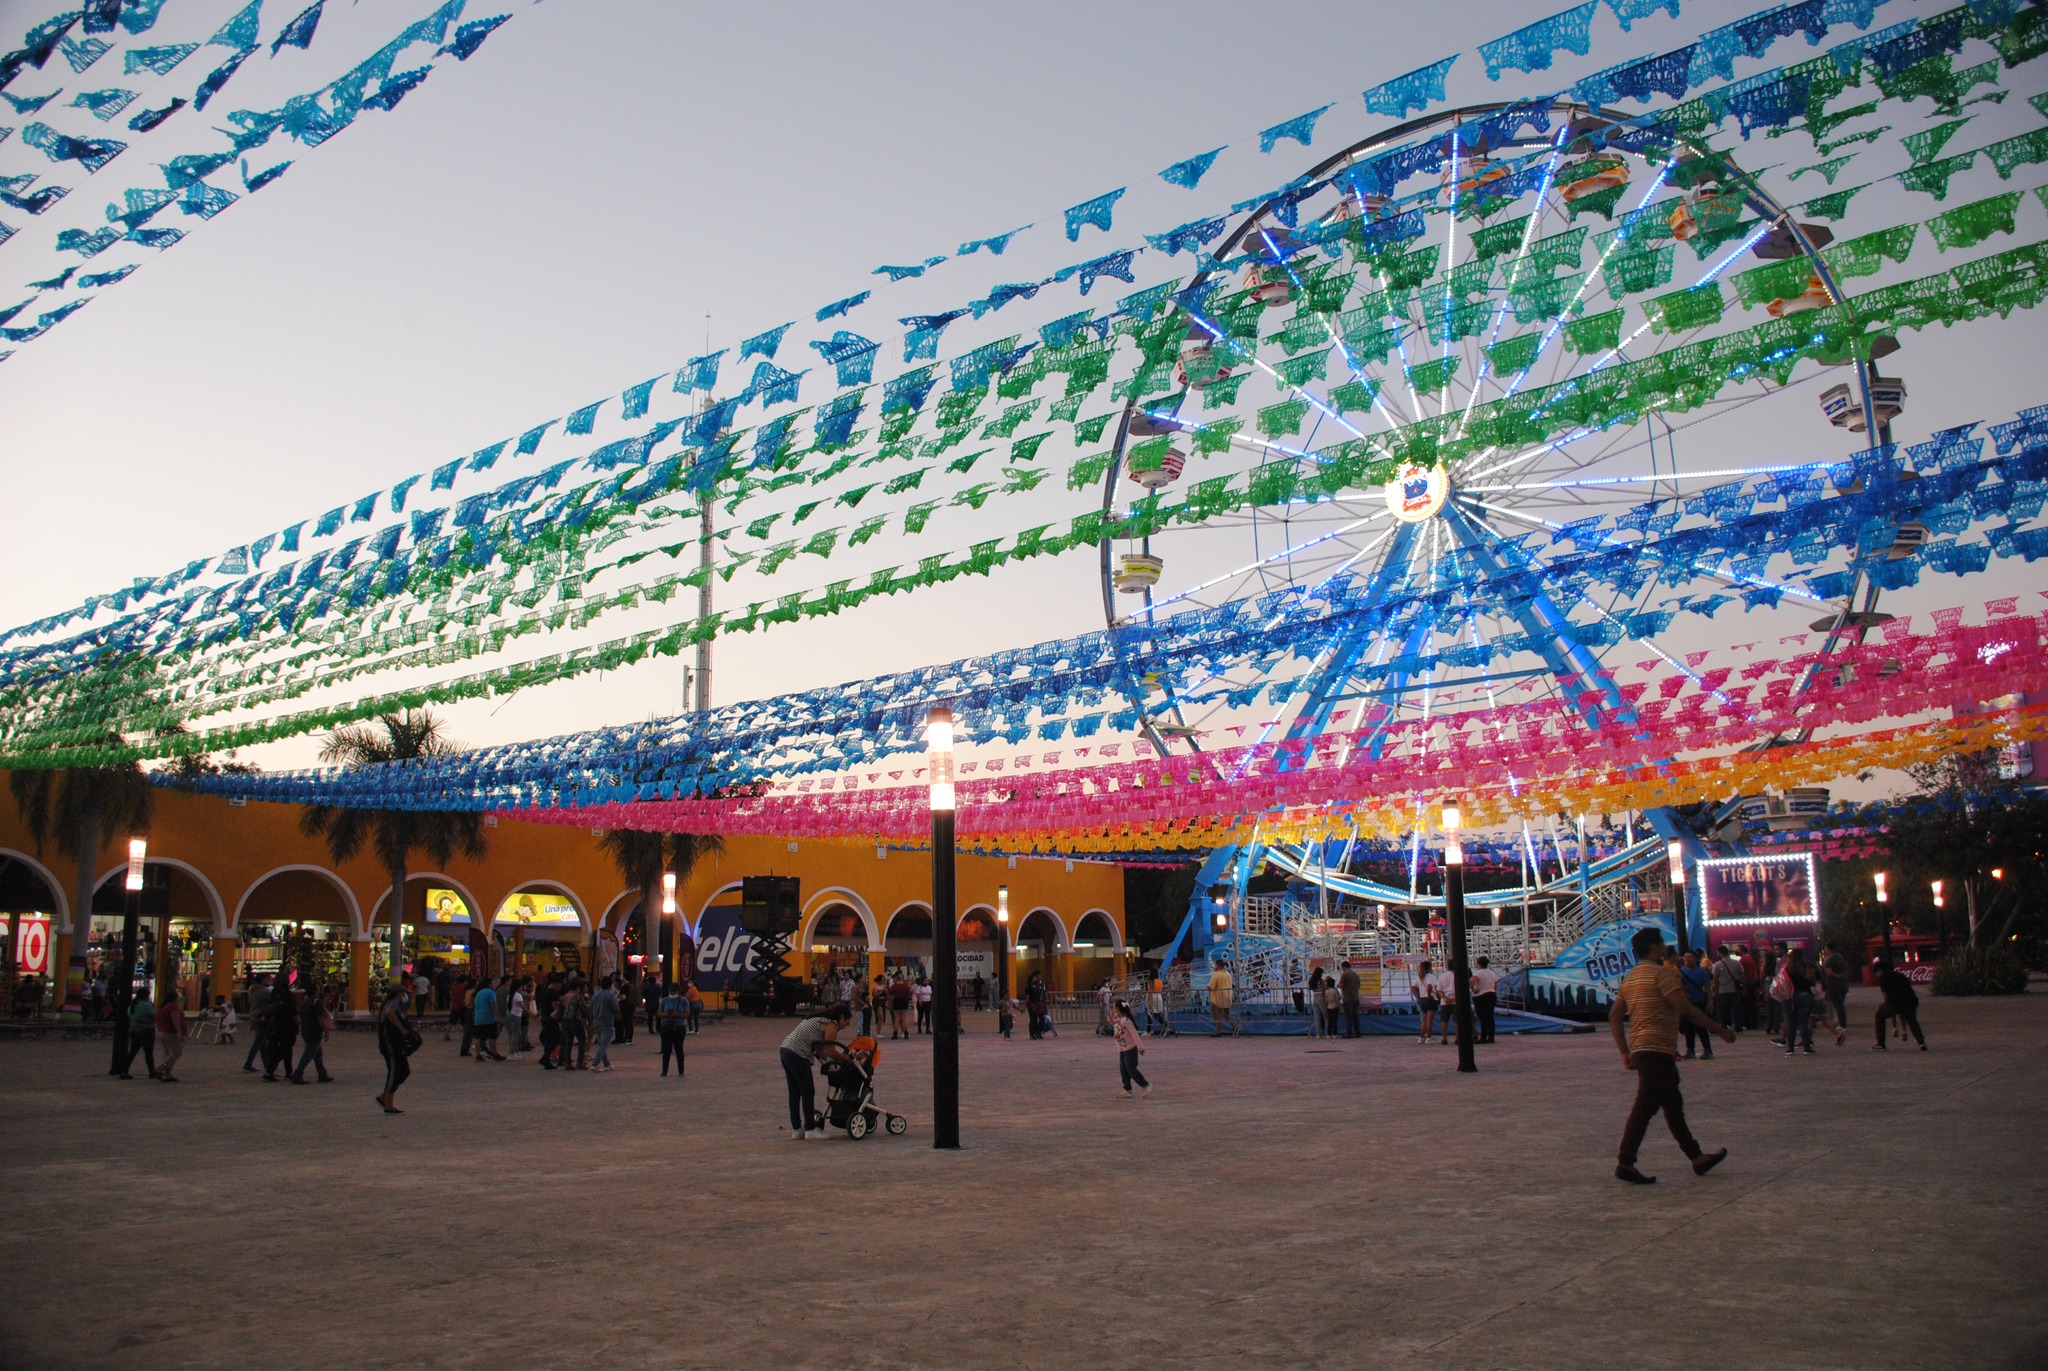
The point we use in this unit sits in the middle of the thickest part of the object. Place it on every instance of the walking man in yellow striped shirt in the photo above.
(1644, 1021)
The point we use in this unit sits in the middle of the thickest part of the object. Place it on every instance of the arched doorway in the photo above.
(31, 914)
(1094, 950)
(837, 943)
(441, 933)
(1040, 940)
(174, 944)
(297, 919)
(907, 942)
(637, 933)
(542, 927)
(979, 947)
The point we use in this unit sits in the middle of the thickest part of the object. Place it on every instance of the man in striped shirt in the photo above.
(1644, 1022)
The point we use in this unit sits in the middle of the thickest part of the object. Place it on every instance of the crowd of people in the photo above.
(896, 997)
(1775, 990)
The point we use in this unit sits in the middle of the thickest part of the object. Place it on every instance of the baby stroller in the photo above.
(850, 1092)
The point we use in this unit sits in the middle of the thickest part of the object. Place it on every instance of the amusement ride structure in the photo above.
(1438, 470)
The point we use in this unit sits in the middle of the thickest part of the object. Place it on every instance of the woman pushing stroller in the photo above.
(815, 1039)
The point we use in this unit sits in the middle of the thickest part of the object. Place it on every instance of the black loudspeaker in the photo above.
(771, 904)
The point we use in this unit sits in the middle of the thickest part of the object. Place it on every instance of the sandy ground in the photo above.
(1275, 1202)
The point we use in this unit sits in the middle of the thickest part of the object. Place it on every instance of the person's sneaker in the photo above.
(796, 1135)
(1808, 1051)
(1633, 1176)
(1923, 1047)
(1707, 1161)
(248, 1068)
(815, 1135)
(326, 1080)
(1125, 1095)
(298, 1080)
(1144, 1090)
(1878, 1047)
(1841, 1038)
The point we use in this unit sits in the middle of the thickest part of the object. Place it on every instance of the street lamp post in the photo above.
(667, 935)
(1884, 916)
(1454, 913)
(1674, 852)
(1002, 943)
(131, 913)
(1940, 920)
(946, 982)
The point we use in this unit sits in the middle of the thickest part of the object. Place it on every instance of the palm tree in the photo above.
(393, 835)
(643, 857)
(79, 806)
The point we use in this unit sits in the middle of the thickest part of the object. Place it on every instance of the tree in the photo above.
(643, 857)
(392, 836)
(79, 806)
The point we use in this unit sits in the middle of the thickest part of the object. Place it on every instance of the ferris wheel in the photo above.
(1390, 326)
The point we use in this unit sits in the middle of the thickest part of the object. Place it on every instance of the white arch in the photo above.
(476, 909)
(705, 908)
(213, 900)
(605, 919)
(839, 894)
(1066, 938)
(348, 896)
(1116, 935)
(62, 913)
(522, 887)
(924, 905)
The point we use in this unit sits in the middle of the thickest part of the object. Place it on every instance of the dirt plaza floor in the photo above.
(1276, 1202)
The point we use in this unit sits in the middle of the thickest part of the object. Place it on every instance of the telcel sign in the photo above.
(725, 950)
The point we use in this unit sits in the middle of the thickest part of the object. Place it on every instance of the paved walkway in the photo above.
(1276, 1202)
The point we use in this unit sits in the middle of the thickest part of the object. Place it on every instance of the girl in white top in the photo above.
(517, 1014)
(1447, 996)
(1425, 999)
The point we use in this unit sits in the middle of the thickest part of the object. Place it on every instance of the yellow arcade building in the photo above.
(235, 888)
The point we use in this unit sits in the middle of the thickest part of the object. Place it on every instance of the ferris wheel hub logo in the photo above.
(1417, 492)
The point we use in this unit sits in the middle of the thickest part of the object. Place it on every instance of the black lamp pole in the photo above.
(946, 974)
(1002, 943)
(124, 989)
(1454, 912)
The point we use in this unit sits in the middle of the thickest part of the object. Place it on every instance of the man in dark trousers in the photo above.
(1347, 991)
(1644, 1021)
(281, 1030)
(1901, 1002)
(259, 1020)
